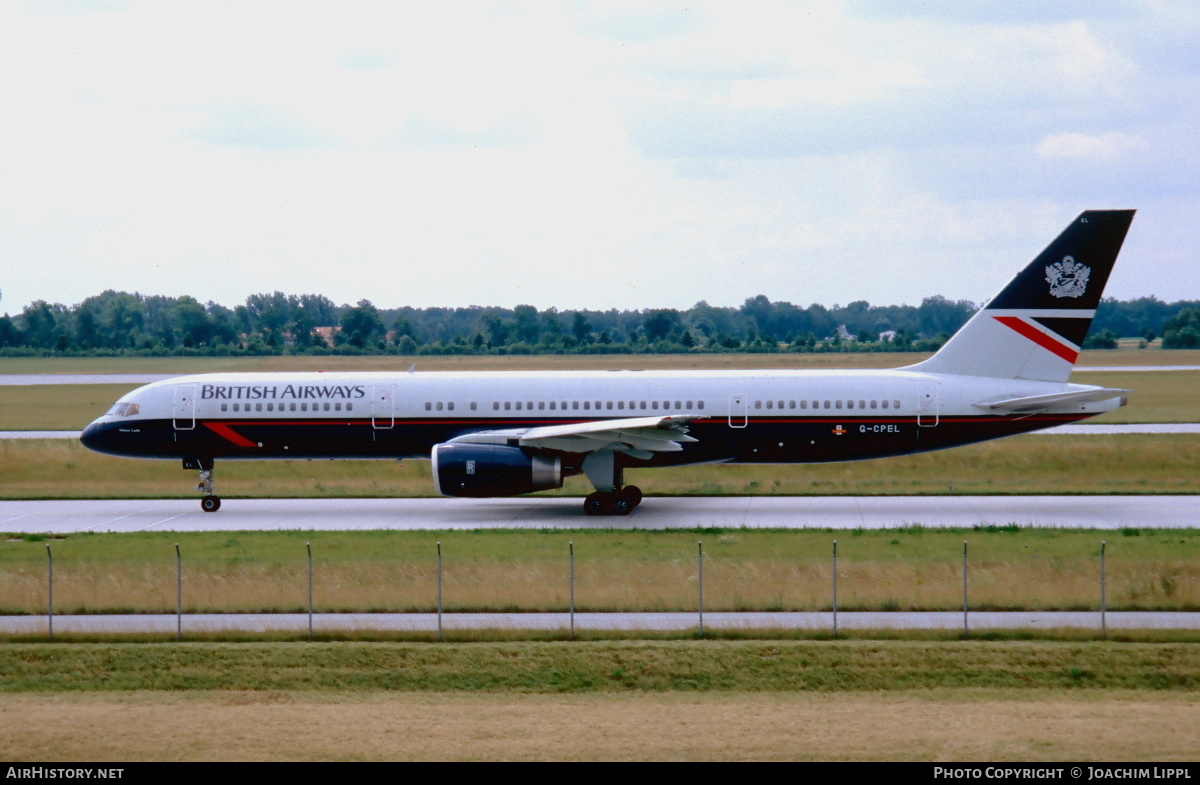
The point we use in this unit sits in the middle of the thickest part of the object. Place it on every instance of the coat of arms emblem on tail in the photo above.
(1067, 278)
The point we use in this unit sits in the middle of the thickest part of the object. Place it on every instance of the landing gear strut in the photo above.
(610, 498)
(211, 502)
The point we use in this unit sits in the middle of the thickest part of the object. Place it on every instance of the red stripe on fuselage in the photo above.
(228, 433)
(1038, 337)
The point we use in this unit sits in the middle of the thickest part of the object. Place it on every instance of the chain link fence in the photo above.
(168, 597)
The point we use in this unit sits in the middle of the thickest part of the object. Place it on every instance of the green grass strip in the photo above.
(605, 667)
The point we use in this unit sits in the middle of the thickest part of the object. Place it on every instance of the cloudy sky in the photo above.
(589, 155)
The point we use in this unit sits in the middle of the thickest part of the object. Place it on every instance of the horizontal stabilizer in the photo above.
(1034, 403)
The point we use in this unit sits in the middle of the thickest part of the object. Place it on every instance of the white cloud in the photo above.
(1108, 146)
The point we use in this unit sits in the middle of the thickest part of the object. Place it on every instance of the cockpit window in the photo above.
(123, 410)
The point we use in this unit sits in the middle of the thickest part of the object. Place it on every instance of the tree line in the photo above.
(124, 323)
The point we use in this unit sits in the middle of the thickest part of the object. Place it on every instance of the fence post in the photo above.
(571, 552)
(308, 546)
(966, 629)
(178, 594)
(700, 583)
(835, 634)
(50, 592)
(1103, 599)
(439, 588)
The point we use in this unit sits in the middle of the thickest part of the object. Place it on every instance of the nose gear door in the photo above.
(183, 412)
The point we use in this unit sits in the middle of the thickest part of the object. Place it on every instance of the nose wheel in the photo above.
(211, 502)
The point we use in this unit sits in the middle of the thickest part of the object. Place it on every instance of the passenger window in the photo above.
(450, 406)
(574, 404)
(885, 404)
(270, 407)
(828, 405)
(258, 407)
(654, 404)
(529, 405)
(224, 407)
(679, 404)
(837, 404)
(873, 404)
(895, 404)
(804, 404)
(608, 405)
(428, 406)
(849, 404)
(474, 405)
(507, 405)
(689, 405)
(518, 406)
(495, 406)
(303, 407)
(699, 404)
(337, 407)
(643, 404)
(349, 406)
(292, 406)
(552, 405)
(791, 404)
(862, 404)
(439, 406)
(587, 404)
(327, 406)
(597, 405)
(781, 404)
(541, 405)
(620, 404)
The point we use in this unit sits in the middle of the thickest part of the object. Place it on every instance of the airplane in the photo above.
(491, 434)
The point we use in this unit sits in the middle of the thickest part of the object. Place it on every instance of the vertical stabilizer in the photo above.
(1035, 327)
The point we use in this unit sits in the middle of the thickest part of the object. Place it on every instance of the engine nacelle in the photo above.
(483, 470)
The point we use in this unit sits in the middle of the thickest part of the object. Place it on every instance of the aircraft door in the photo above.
(383, 406)
(738, 411)
(183, 411)
(927, 404)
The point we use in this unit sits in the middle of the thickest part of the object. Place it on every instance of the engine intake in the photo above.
(485, 470)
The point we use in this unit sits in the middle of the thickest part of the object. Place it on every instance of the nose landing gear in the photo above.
(211, 502)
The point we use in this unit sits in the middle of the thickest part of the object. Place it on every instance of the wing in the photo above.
(638, 437)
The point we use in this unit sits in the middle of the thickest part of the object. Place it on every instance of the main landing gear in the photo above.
(211, 502)
(610, 498)
(619, 502)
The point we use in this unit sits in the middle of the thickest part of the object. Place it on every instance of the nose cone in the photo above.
(98, 436)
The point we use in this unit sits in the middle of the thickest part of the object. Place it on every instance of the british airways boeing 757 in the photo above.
(503, 434)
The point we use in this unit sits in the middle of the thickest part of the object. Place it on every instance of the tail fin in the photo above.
(1035, 327)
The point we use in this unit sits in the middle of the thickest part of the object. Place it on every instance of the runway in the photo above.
(657, 622)
(684, 512)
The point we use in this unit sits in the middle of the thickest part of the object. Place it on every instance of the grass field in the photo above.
(25, 365)
(1140, 463)
(919, 725)
(745, 569)
(685, 700)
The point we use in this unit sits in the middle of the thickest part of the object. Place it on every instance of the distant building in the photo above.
(843, 333)
(887, 335)
(326, 334)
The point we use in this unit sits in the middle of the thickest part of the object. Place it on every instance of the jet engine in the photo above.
(482, 470)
